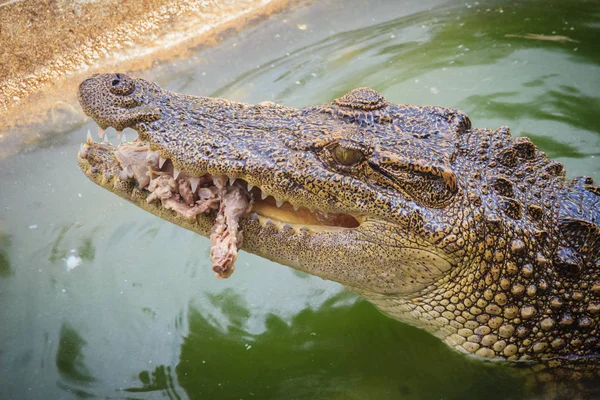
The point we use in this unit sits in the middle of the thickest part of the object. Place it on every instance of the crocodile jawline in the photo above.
(265, 208)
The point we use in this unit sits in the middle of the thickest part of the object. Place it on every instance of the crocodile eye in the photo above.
(347, 156)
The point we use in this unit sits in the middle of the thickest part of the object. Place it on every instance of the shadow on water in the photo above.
(70, 363)
(5, 243)
(307, 358)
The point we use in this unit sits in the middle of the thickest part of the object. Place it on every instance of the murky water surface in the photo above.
(99, 299)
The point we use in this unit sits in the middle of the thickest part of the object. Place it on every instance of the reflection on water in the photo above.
(100, 299)
(160, 380)
(308, 357)
(566, 105)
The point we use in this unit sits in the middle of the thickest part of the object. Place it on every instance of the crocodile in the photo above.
(473, 235)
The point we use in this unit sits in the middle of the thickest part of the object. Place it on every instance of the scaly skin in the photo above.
(470, 234)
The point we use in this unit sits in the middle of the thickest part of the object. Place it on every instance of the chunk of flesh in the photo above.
(226, 237)
(191, 196)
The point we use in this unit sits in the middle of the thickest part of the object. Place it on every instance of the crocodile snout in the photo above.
(116, 100)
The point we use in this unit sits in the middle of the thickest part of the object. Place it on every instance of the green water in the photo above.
(101, 300)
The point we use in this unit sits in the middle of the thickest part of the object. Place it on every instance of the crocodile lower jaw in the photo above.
(148, 165)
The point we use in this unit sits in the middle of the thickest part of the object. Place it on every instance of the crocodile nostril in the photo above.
(117, 80)
(121, 84)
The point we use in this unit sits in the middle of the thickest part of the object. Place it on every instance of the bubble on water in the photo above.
(34, 226)
(73, 262)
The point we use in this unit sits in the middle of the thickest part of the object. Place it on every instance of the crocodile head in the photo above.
(440, 225)
(331, 181)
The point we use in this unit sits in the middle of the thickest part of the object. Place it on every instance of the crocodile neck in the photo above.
(522, 292)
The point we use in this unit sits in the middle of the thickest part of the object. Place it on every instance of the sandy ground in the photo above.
(48, 46)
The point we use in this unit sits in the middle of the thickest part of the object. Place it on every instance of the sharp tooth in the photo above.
(325, 214)
(89, 137)
(220, 181)
(82, 151)
(161, 161)
(231, 181)
(175, 172)
(263, 195)
(100, 133)
(194, 182)
(123, 138)
(295, 207)
(278, 202)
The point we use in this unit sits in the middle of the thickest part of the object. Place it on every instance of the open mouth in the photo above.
(230, 198)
